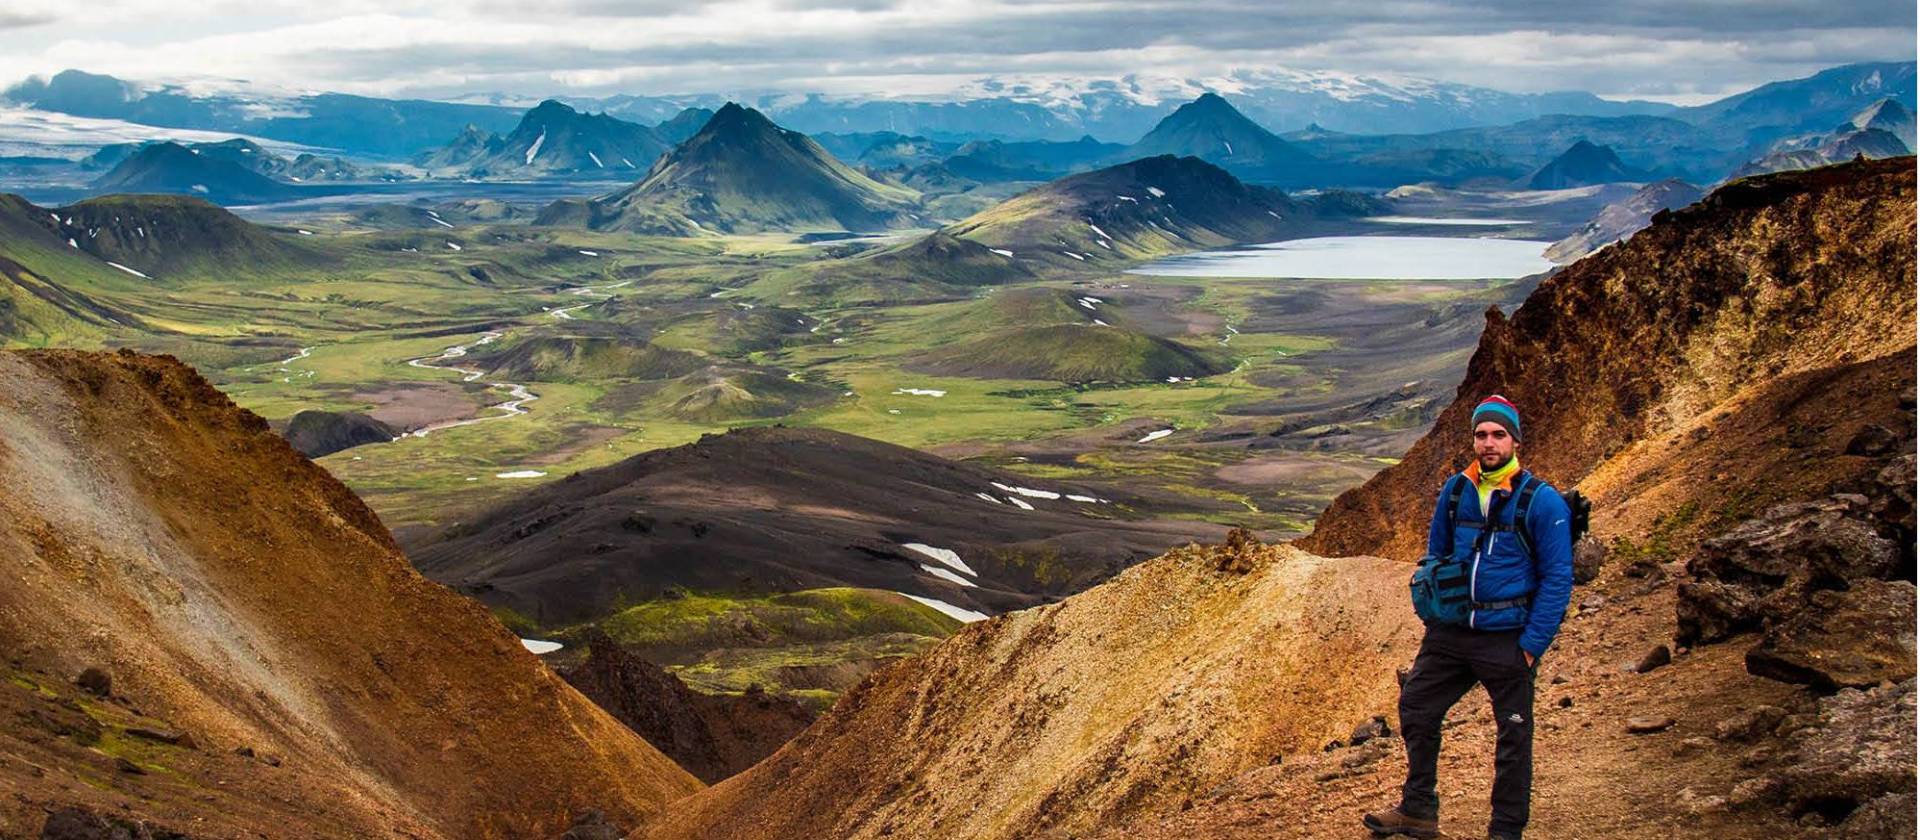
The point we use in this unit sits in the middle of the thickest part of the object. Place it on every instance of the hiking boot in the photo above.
(1392, 821)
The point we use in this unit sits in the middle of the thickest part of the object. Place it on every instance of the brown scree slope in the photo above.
(1175, 675)
(238, 593)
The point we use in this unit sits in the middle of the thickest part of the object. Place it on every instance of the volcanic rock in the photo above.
(712, 736)
(1863, 749)
(1855, 638)
(1768, 568)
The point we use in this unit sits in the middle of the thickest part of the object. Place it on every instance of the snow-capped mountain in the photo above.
(1122, 109)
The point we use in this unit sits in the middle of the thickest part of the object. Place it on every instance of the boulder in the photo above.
(1374, 727)
(1749, 724)
(591, 824)
(1589, 555)
(1890, 816)
(95, 681)
(1872, 441)
(1853, 639)
(77, 823)
(1648, 725)
(1659, 657)
(1766, 569)
(1862, 750)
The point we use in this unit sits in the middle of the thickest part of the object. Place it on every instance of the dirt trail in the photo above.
(1591, 779)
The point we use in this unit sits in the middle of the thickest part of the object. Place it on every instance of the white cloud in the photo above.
(1678, 49)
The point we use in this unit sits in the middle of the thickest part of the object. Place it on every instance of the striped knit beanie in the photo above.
(1497, 409)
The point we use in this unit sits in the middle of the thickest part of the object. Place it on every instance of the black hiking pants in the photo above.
(1451, 660)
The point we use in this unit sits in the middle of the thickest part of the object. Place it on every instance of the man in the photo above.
(1518, 573)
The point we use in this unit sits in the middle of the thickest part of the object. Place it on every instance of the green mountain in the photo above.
(173, 168)
(742, 174)
(1033, 160)
(1212, 130)
(552, 139)
(46, 285)
(1134, 211)
(565, 358)
(679, 127)
(1582, 165)
(471, 144)
(165, 237)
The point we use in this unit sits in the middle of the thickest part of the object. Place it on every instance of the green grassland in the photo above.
(680, 337)
(811, 645)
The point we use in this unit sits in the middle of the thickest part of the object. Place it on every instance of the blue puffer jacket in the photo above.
(1504, 571)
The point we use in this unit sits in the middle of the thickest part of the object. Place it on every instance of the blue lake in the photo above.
(1364, 258)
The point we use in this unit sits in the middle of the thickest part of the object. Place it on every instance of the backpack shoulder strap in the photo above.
(1456, 490)
(1523, 502)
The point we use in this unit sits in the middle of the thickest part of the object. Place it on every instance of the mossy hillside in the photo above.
(568, 358)
(713, 620)
(1075, 353)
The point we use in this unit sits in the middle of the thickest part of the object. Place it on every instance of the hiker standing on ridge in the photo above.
(1492, 591)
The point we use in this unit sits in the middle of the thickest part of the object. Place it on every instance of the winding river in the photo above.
(518, 394)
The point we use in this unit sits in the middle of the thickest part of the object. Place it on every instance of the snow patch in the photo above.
(920, 392)
(303, 232)
(1019, 504)
(127, 270)
(586, 253)
(1157, 192)
(943, 574)
(540, 645)
(1027, 491)
(520, 474)
(986, 498)
(960, 613)
(944, 555)
(535, 149)
(1074, 255)
(596, 160)
(454, 246)
(1002, 252)
(1153, 436)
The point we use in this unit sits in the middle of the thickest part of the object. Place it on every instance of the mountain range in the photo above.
(1112, 110)
(551, 139)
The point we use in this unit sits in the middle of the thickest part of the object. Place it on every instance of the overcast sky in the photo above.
(1673, 50)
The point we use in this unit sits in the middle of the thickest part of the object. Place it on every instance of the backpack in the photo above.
(1442, 586)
